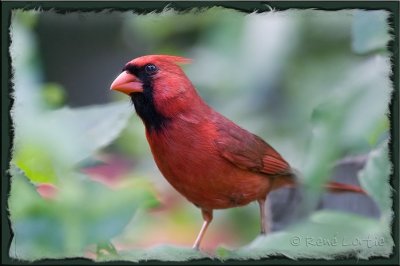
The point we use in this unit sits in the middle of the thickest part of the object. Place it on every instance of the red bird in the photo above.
(206, 157)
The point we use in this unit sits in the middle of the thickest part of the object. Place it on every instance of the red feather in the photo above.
(209, 159)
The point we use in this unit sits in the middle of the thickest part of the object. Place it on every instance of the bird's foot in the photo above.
(196, 247)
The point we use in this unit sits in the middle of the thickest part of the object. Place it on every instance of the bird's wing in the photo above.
(248, 151)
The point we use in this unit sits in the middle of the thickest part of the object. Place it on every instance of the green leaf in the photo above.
(159, 252)
(325, 235)
(49, 144)
(370, 31)
(94, 126)
(374, 179)
(336, 121)
(82, 213)
(37, 230)
(36, 162)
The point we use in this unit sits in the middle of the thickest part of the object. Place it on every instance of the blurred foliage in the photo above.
(322, 236)
(314, 84)
(53, 95)
(159, 252)
(83, 212)
(48, 149)
(370, 31)
(77, 132)
(379, 188)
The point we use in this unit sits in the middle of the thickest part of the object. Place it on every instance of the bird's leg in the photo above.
(263, 217)
(207, 216)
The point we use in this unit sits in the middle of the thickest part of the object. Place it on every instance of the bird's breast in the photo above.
(187, 157)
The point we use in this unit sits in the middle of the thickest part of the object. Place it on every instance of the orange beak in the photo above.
(126, 83)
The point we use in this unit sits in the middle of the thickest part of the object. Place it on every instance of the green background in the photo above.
(281, 129)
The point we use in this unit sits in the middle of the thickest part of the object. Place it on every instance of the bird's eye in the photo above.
(150, 69)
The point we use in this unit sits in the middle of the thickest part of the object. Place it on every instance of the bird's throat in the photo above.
(153, 120)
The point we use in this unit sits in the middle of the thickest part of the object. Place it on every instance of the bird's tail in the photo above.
(332, 186)
(337, 187)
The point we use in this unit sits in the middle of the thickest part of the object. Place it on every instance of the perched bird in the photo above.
(206, 157)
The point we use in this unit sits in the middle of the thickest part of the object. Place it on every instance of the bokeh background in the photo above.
(314, 84)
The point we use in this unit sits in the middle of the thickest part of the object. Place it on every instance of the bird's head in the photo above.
(158, 75)
(157, 85)
(140, 71)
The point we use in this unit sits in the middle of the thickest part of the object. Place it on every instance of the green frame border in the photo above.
(145, 7)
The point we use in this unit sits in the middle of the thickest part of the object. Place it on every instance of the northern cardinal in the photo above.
(206, 157)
